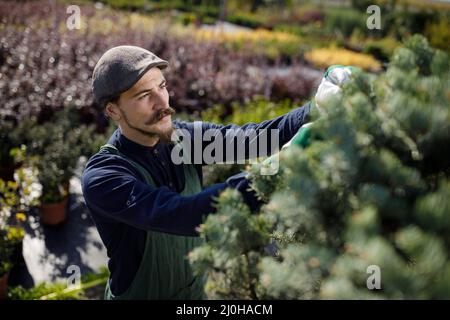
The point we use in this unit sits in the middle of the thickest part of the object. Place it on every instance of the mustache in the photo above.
(159, 115)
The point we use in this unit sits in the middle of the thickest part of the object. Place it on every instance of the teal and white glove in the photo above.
(331, 86)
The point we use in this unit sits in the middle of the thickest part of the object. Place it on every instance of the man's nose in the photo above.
(160, 101)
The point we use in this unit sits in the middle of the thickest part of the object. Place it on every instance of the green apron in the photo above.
(164, 272)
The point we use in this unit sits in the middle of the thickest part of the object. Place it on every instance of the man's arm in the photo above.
(112, 188)
(241, 138)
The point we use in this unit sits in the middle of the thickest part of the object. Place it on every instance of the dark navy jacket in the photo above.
(123, 207)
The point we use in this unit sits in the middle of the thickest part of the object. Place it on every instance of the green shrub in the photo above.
(59, 143)
(59, 290)
(403, 23)
(370, 190)
(246, 19)
(382, 49)
(439, 33)
(257, 110)
(16, 199)
(13, 134)
(344, 21)
(126, 4)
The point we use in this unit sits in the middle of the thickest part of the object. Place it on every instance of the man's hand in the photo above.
(242, 184)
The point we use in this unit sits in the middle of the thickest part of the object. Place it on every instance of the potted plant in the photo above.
(16, 197)
(56, 167)
(14, 135)
(59, 143)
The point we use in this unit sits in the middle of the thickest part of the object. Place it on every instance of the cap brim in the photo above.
(161, 64)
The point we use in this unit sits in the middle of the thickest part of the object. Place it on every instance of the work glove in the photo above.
(331, 85)
(243, 185)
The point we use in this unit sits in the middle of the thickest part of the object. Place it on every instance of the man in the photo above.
(145, 205)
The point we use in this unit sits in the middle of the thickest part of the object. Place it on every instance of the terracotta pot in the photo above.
(54, 213)
(4, 286)
(66, 186)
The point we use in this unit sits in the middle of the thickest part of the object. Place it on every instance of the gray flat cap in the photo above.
(119, 69)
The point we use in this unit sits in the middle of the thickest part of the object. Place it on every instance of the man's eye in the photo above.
(144, 95)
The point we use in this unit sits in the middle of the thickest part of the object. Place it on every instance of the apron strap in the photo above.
(145, 174)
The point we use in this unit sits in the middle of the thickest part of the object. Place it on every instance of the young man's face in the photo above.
(145, 107)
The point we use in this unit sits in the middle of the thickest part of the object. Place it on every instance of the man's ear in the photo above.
(112, 111)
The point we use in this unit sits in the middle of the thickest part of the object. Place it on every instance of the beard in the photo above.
(164, 136)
